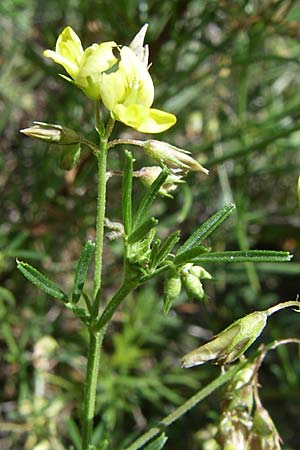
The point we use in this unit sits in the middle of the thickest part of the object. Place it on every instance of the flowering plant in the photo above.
(117, 77)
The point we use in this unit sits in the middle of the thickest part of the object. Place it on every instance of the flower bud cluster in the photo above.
(190, 277)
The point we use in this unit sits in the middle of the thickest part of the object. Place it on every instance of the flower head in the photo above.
(84, 66)
(128, 94)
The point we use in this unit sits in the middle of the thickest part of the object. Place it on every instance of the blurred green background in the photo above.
(230, 71)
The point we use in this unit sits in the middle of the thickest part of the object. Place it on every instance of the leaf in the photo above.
(42, 282)
(69, 156)
(158, 443)
(127, 193)
(149, 197)
(73, 432)
(141, 232)
(207, 228)
(165, 249)
(82, 270)
(24, 254)
(244, 256)
(189, 255)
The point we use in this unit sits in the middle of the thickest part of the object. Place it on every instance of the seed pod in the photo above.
(172, 289)
(201, 273)
(193, 286)
(264, 434)
(231, 343)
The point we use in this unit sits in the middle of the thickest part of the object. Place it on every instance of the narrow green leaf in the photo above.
(17, 241)
(189, 255)
(154, 251)
(42, 282)
(207, 228)
(82, 270)
(24, 254)
(244, 256)
(166, 248)
(127, 192)
(149, 197)
(141, 232)
(73, 432)
(158, 443)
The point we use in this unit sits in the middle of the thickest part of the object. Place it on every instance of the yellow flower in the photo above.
(128, 94)
(84, 66)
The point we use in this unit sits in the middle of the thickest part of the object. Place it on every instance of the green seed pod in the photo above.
(201, 273)
(193, 286)
(231, 343)
(264, 427)
(172, 289)
(264, 435)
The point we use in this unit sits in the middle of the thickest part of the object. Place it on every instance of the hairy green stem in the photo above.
(189, 404)
(101, 158)
(95, 338)
(90, 388)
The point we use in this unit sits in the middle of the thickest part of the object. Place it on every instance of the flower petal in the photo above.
(139, 83)
(144, 119)
(96, 59)
(157, 121)
(68, 51)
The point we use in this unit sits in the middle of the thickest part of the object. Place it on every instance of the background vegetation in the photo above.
(230, 71)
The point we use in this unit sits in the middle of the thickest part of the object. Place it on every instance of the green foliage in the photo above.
(42, 282)
(82, 270)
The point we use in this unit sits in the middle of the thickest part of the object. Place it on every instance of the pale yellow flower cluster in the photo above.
(123, 83)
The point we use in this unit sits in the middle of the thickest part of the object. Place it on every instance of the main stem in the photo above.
(90, 387)
(95, 337)
(101, 157)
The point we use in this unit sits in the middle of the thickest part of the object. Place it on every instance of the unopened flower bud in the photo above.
(172, 156)
(172, 289)
(201, 273)
(148, 175)
(231, 343)
(193, 286)
(52, 133)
